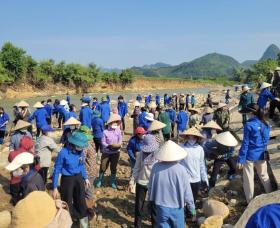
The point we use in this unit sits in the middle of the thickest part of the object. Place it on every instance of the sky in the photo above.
(126, 33)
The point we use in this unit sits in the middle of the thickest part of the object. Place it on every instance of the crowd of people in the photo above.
(169, 151)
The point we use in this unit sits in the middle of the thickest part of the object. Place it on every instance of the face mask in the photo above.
(191, 141)
(72, 127)
(114, 126)
(141, 137)
(18, 173)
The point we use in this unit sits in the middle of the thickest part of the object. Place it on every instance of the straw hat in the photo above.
(72, 121)
(245, 88)
(63, 102)
(149, 116)
(114, 118)
(221, 105)
(38, 105)
(170, 151)
(226, 139)
(265, 85)
(194, 110)
(208, 110)
(22, 104)
(192, 131)
(21, 124)
(212, 125)
(150, 144)
(136, 104)
(21, 159)
(156, 125)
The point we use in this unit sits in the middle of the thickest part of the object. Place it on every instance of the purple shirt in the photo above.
(111, 136)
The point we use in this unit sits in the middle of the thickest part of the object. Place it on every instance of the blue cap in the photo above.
(86, 99)
(47, 128)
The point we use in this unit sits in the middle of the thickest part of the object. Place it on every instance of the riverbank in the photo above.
(24, 90)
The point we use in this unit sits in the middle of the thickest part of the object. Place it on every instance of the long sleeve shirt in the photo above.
(105, 111)
(139, 98)
(169, 186)
(122, 109)
(194, 163)
(86, 116)
(16, 137)
(4, 118)
(133, 146)
(49, 109)
(69, 163)
(97, 127)
(245, 99)
(40, 116)
(143, 122)
(172, 114)
(157, 99)
(182, 120)
(111, 136)
(264, 96)
(255, 140)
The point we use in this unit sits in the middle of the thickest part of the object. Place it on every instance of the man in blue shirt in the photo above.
(4, 119)
(172, 115)
(86, 113)
(97, 125)
(49, 109)
(158, 100)
(122, 109)
(95, 104)
(139, 98)
(105, 110)
(182, 121)
(187, 101)
(68, 98)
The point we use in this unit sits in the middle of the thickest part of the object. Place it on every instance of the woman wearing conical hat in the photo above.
(207, 115)
(194, 117)
(19, 131)
(23, 114)
(222, 116)
(265, 95)
(194, 162)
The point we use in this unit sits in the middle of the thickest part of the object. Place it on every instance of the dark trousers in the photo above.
(123, 123)
(187, 107)
(166, 137)
(44, 173)
(73, 193)
(2, 136)
(273, 104)
(141, 192)
(98, 144)
(244, 119)
(49, 120)
(15, 192)
(216, 169)
(172, 129)
(113, 159)
(182, 106)
(38, 132)
(60, 119)
(195, 189)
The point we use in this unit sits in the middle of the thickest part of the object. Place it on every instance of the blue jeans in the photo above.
(170, 217)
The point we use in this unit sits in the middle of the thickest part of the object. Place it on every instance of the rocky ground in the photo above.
(115, 208)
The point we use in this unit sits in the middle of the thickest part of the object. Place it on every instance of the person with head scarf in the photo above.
(111, 145)
(122, 110)
(40, 116)
(4, 120)
(169, 187)
(253, 151)
(26, 145)
(86, 112)
(194, 162)
(31, 180)
(19, 131)
(70, 164)
(44, 147)
(141, 174)
(222, 116)
(246, 98)
(156, 130)
(97, 125)
(105, 110)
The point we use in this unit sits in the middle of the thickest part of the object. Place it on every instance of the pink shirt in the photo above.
(111, 136)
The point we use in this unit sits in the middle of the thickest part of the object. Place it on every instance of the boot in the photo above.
(84, 222)
(99, 181)
(113, 181)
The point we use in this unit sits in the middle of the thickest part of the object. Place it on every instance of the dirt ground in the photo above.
(115, 208)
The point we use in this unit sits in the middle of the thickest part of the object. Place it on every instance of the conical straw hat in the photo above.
(213, 125)
(72, 121)
(170, 151)
(265, 85)
(245, 88)
(38, 105)
(21, 124)
(22, 104)
(221, 105)
(226, 139)
(208, 110)
(156, 125)
(192, 131)
(194, 110)
(114, 118)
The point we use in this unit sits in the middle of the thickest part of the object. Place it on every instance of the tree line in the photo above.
(16, 66)
(258, 73)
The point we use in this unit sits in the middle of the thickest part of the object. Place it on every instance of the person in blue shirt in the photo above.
(182, 121)
(4, 119)
(49, 109)
(97, 125)
(95, 104)
(143, 121)
(40, 116)
(165, 99)
(68, 98)
(105, 110)
(70, 163)
(158, 100)
(187, 101)
(147, 100)
(265, 95)
(172, 115)
(252, 152)
(139, 98)
(55, 110)
(134, 145)
(122, 109)
(193, 100)
(86, 113)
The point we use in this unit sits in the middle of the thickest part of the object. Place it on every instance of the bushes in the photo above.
(16, 66)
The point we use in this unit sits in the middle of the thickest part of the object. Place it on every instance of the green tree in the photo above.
(4, 76)
(264, 67)
(239, 75)
(278, 59)
(13, 60)
(31, 65)
(126, 77)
